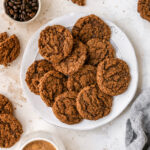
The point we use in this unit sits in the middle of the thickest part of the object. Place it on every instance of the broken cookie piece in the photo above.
(79, 2)
(9, 50)
(3, 36)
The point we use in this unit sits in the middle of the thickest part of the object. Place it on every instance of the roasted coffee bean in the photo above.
(15, 16)
(17, 3)
(33, 4)
(16, 10)
(21, 10)
(23, 7)
(11, 11)
(15, 7)
(10, 4)
(35, 8)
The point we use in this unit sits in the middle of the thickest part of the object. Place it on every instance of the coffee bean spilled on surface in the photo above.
(21, 10)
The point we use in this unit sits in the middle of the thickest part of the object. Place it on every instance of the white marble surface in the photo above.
(124, 14)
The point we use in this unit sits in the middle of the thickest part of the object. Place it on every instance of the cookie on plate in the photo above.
(55, 43)
(144, 9)
(84, 77)
(79, 2)
(113, 76)
(51, 85)
(90, 27)
(35, 72)
(92, 104)
(3, 36)
(5, 105)
(74, 61)
(9, 50)
(97, 51)
(10, 129)
(64, 108)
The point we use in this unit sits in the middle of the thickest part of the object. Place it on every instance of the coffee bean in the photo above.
(15, 7)
(35, 8)
(10, 4)
(11, 11)
(15, 16)
(24, 2)
(17, 3)
(28, 10)
(18, 6)
(23, 12)
(23, 7)
(16, 10)
(33, 4)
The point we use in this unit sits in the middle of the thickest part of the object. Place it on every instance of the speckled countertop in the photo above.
(124, 14)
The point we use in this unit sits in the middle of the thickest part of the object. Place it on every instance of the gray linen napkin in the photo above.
(138, 124)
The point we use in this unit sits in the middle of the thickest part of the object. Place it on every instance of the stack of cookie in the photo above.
(79, 73)
(9, 48)
(10, 127)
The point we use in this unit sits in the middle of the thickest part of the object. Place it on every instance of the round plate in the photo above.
(124, 50)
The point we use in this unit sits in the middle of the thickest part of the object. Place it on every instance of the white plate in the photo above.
(124, 50)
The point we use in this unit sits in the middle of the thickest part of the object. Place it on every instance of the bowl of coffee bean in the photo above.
(22, 10)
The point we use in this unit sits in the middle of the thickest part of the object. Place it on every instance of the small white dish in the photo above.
(41, 136)
(124, 50)
(23, 22)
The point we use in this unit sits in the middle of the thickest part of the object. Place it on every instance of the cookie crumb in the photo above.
(3, 36)
(79, 2)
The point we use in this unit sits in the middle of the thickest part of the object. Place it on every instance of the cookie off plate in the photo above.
(124, 51)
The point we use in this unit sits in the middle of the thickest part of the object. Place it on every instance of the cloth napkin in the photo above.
(138, 124)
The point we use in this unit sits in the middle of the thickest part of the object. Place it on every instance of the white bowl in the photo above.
(21, 22)
(40, 135)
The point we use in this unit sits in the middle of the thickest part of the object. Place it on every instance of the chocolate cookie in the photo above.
(5, 105)
(90, 27)
(93, 104)
(79, 2)
(10, 130)
(74, 61)
(113, 76)
(51, 85)
(9, 50)
(35, 72)
(84, 77)
(65, 110)
(3, 36)
(55, 43)
(98, 51)
(144, 9)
